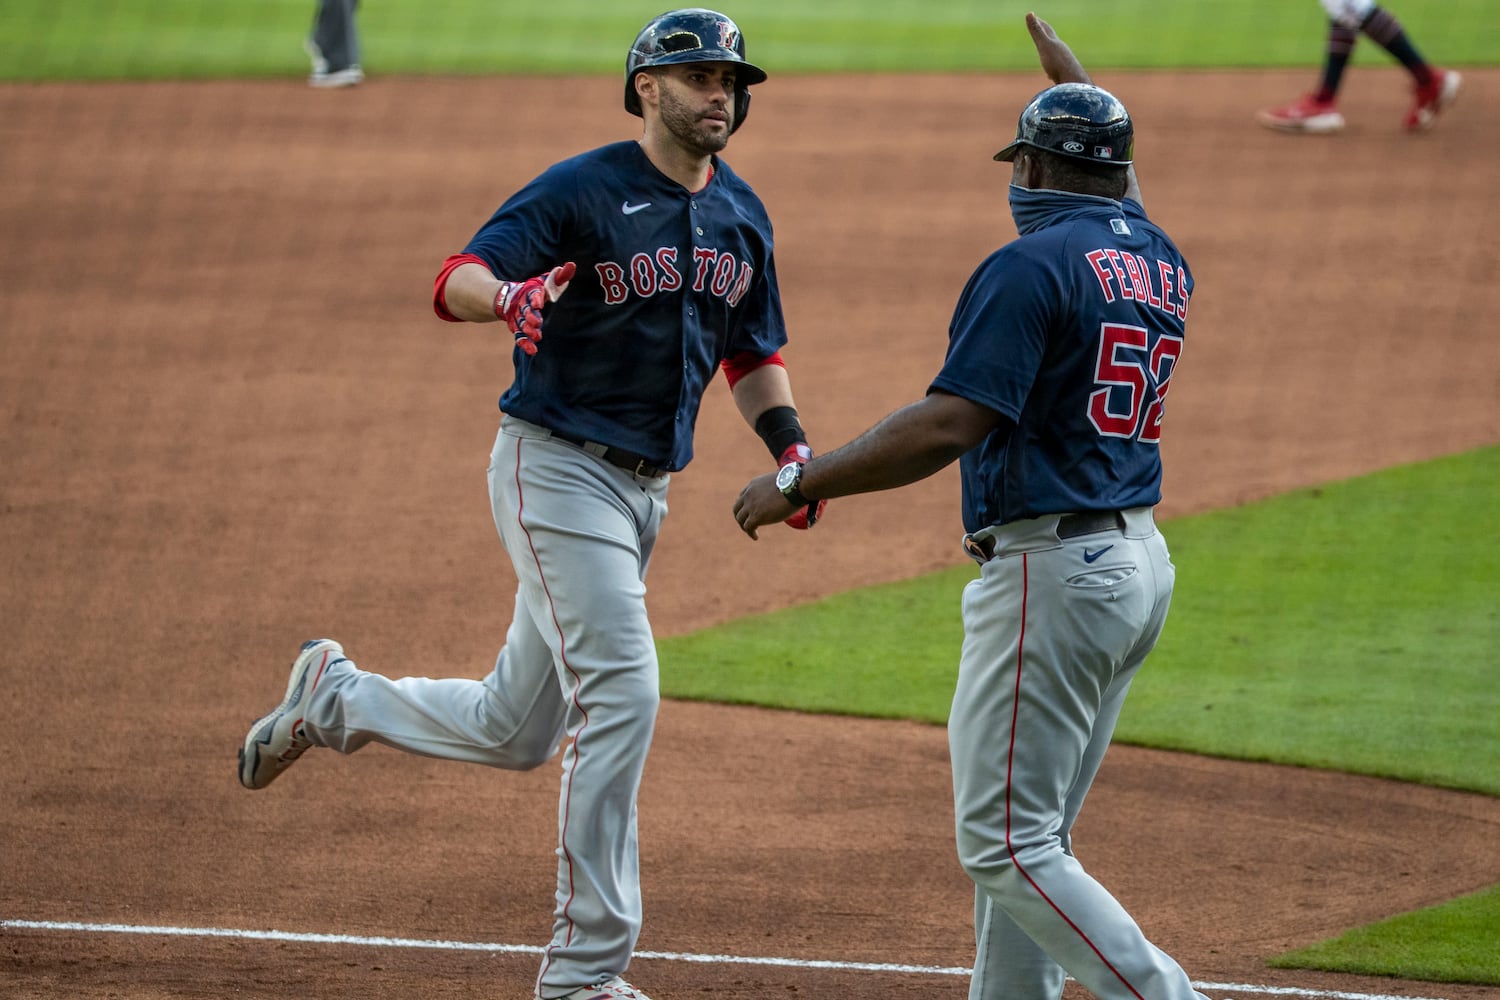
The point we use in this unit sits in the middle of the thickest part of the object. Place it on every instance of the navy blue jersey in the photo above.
(1072, 331)
(669, 283)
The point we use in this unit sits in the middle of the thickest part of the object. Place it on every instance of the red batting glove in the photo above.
(520, 303)
(807, 516)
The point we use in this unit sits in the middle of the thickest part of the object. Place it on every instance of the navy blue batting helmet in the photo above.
(692, 34)
(1076, 120)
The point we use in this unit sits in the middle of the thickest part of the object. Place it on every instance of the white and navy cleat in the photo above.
(277, 739)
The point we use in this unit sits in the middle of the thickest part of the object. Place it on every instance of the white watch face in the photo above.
(788, 476)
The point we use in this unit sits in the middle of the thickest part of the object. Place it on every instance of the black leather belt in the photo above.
(618, 457)
(1068, 526)
(1073, 525)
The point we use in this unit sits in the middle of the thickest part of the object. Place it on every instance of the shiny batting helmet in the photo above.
(692, 34)
(1076, 120)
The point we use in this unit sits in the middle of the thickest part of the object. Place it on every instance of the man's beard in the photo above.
(691, 131)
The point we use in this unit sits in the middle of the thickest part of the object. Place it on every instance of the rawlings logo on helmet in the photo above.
(1077, 120)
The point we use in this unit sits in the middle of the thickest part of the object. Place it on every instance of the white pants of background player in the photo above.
(579, 661)
(1054, 632)
(1349, 13)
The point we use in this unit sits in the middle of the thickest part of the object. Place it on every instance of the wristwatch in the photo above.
(789, 482)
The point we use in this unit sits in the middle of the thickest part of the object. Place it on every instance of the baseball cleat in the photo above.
(277, 739)
(614, 989)
(329, 79)
(1306, 114)
(1433, 96)
(319, 64)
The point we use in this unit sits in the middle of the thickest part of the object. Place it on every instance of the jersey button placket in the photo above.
(687, 365)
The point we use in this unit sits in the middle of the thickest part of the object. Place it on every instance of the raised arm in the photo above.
(1062, 66)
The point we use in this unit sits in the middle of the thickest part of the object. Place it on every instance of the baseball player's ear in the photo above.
(645, 87)
(1028, 170)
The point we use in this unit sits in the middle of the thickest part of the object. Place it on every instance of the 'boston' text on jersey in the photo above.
(716, 271)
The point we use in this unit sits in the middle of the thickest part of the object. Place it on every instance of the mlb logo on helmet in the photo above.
(1104, 152)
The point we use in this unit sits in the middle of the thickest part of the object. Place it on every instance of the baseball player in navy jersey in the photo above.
(1061, 351)
(653, 268)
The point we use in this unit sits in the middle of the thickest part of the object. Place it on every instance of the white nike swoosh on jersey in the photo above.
(630, 209)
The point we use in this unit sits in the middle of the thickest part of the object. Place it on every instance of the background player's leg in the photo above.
(1433, 89)
(1317, 111)
(1340, 48)
(1385, 29)
(335, 41)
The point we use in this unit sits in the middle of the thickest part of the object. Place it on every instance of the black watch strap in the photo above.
(793, 490)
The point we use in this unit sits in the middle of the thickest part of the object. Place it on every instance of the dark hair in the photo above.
(1068, 173)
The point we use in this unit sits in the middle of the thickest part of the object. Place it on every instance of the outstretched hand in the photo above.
(1058, 60)
(520, 303)
(760, 503)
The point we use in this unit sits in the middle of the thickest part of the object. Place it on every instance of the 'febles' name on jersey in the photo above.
(1160, 287)
(1072, 331)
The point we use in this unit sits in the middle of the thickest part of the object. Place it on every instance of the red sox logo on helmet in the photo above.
(729, 35)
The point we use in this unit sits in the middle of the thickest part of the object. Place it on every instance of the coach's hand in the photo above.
(1057, 59)
(761, 503)
(520, 303)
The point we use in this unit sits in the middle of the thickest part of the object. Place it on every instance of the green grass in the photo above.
(1347, 627)
(1452, 943)
(1350, 627)
(141, 39)
(884, 652)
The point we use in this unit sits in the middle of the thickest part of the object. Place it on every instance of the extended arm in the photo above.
(763, 396)
(910, 444)
(760, 390)
(470, 293)
(466, 290)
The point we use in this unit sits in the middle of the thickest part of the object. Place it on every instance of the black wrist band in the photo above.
(779, 428)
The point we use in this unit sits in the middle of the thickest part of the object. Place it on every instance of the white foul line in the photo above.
(669, 956)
